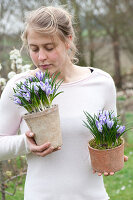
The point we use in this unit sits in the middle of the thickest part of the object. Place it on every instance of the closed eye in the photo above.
(34, 50)
(49, 49)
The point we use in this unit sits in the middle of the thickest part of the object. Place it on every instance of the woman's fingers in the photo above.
(45, 152)
(30, 137)
(56, 149)
(111, 173)
(125, 158)
(40, 150)
(29, 134)
(105, 173)
(98, 173)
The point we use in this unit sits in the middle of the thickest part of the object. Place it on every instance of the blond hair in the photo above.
(52, 20)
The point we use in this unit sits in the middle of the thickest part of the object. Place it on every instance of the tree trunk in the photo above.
(2, 187)
(92, 53)
(80, 45)
(116, 51)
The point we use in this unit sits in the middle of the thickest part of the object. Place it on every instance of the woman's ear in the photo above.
(69, 41)
(67, 45)
(70, 37)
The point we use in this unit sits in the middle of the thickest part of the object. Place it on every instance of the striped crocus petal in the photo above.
(121, 129)
(36, 88)
(34, 85)
(102, 119)
(106, 114)
(42, 86)
(52, 91)
(17, 94)
(39, 75)
(110, 123)
(27, 96)
(17, 100)
(23, 88)
(117, 126)
(31, 78)
(48, 91)
(47, 82)
(99, 126)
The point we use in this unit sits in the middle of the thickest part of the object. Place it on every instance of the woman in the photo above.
(65, 174)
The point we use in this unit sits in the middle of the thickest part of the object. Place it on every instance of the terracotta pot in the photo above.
(109, 160)
(46, 126)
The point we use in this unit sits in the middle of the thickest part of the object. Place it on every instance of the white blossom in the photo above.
(19, 66)
(14, 54)
(123, 187)
(19, 61)
(2, 81)
(25, 68)
(11, 74)
(0, 67)
(13, 65)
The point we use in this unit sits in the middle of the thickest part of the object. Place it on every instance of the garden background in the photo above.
(104, 29)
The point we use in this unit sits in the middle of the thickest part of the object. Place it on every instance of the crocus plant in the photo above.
(36, 93)
(105, 127)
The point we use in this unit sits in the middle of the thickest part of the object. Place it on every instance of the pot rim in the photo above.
(106, 149)
(36, 114)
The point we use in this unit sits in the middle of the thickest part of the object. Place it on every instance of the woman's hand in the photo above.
(41, 150)
(110, 173)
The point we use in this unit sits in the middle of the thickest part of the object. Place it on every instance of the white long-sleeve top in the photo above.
(65, 174)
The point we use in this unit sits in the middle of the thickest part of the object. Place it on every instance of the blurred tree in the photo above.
(108, 15)
(127, 33)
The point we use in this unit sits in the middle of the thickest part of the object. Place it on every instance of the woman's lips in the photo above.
(45, 66)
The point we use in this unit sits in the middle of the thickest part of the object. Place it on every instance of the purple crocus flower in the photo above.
(17, 94)
(17, 100)
(48, 91)
(102, 119)
(99, 126)
(110, 123)
(42, 85)
(47, 82)
(40, 75)
(52, 91)
(31, 79)
(121, 129)
(23, 89)
(106, 113)
(117, 126)
(118, 135)
(35, 86)
(27, 96)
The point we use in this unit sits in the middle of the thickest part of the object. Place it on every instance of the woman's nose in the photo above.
(42, 55)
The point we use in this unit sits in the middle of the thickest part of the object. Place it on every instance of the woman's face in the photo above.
(47, 53)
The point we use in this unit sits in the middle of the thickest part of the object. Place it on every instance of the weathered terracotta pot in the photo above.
(109, 160)
(46, 126)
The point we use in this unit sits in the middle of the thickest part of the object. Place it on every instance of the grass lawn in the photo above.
(119, 186)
